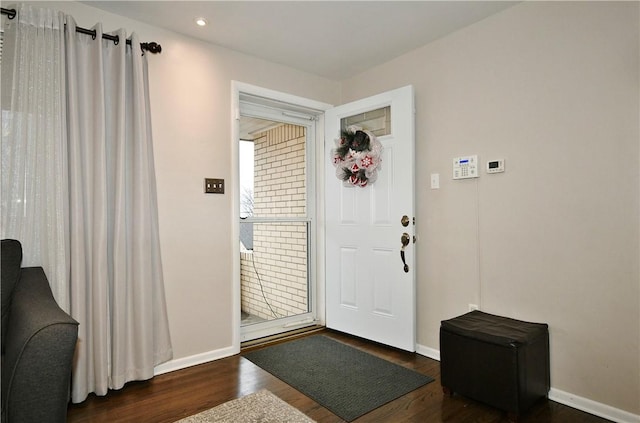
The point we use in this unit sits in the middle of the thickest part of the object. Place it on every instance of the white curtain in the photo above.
(34, 156)
(115, 282)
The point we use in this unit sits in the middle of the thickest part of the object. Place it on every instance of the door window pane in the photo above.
(246, 178)
(274, 280)
(280, 173)
(377, 121)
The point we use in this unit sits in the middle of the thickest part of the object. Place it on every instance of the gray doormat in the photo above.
(347, 381)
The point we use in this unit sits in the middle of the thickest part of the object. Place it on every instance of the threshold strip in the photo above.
(280, 337)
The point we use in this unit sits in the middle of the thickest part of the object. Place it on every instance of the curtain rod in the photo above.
(151, 47)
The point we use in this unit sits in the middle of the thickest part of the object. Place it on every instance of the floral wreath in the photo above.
(357, 157)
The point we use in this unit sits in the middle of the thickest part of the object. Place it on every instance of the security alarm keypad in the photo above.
(465, 167)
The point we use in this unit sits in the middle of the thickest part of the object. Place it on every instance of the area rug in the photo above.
(259, 407)
(347, 381)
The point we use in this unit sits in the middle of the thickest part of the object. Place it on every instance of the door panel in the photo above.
(382, 191)
(348, 206)
(383, 265)
(348, 281)
(368, 293)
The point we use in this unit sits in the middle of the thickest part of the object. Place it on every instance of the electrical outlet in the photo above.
(213, 186)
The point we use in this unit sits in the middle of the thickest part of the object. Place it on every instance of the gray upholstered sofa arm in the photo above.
(39, 347)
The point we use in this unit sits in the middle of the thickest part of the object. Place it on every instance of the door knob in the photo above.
(404, 239)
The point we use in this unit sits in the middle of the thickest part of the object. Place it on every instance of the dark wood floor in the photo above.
(179, 394)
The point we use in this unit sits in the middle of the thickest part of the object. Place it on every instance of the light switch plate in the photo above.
(435, 181)
(213, 186)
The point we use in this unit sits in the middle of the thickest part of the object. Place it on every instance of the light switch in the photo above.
(213, 186)
(435, 181)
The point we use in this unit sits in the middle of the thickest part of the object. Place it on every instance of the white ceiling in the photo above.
(334, 39)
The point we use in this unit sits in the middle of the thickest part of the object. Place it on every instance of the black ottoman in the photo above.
(496, 360)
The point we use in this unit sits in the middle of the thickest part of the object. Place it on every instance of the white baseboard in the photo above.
(592, 407)
(194, 360)
(428, 352)
(566, 398)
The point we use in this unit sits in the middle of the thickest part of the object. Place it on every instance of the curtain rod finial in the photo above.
(152, 47)
(11, 13)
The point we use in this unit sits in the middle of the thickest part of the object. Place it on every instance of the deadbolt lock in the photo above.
(405, 220)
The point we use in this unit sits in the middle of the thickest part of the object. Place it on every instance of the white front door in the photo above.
(369, 291)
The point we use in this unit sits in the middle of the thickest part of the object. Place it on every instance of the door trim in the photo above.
(293, 104)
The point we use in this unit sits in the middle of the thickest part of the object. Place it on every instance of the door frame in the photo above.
(294, 105)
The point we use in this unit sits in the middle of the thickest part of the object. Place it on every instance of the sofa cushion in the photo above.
(11, 258)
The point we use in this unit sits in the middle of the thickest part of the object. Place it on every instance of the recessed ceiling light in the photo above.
(201, 21)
